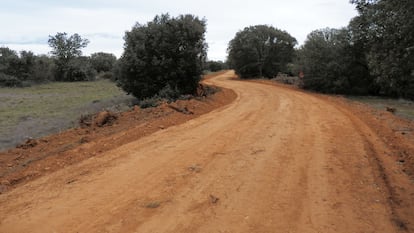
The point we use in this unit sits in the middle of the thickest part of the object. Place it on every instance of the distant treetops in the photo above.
(261, 51)
(373, 55)
(66, 63)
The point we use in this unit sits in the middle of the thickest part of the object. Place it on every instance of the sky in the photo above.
(27, 24)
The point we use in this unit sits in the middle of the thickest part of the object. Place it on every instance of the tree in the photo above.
(215, 66)
(386, 29)
(9, 62)
(25, 68)
(320, 53)
(65, 49)
(44, 69)
(333, 63)
(79, 69)
(103, 62)
(164, 54)
(26, 65)
(261, 51)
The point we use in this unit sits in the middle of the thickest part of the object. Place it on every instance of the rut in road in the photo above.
(274, 160)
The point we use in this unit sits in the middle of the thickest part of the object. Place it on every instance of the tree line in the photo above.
(373, 55)
(166, 57)
(65, 64)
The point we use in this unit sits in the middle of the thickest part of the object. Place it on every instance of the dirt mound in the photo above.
(104, 118)
(205, 90)
(390, 109)
(28, 144)
(85, 121)
(180, 108)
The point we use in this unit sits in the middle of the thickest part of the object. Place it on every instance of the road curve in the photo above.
(274, 160)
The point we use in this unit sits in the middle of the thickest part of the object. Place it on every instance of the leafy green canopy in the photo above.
(373, 55)
(67, 50)
(103, 62)
(386, 29)
(66, 47)
(23, 67)
(164, 55)
(215, 66)
(261, 51)
(333, 63)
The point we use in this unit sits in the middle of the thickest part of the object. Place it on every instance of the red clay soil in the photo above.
(37, 157)
(393, 162)
(395, 131)
(275, 159)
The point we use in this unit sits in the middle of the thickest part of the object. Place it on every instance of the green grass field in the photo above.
(405, 108)
(49, 108)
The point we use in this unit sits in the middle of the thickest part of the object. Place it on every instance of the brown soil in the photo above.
(98, 134)
(275, 159)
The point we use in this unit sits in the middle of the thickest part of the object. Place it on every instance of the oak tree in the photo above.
(261, 51)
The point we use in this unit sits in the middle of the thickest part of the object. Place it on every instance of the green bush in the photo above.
(78, 69)
(43, 69)
(333, 63)
(385, 28)
(149, 102)
(215, 66)
(105, 75)
(9, 81)
(10, 63)
(103, 62)
(169, 93)
(164, 56)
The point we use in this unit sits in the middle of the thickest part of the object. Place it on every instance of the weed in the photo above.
(153, 205)
(149, 102)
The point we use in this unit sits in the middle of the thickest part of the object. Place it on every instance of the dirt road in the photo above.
(274, 160)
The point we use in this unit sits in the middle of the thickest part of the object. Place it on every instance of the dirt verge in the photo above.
(102, 133)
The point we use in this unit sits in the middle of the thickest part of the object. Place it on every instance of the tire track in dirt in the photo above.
(275, 160)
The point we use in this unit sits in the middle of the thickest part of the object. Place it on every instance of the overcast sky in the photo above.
(26, 24)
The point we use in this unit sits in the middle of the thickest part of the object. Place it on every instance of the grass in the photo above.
(48, 108)
(405, 108)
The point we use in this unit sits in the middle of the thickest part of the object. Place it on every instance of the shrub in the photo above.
(9, 81)
(169, 93)
(333, 63)
(165, 57)
(103, 62)
(149, 102)
(43, 69)
(105, 75)
(78, 69)
(215, 66)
